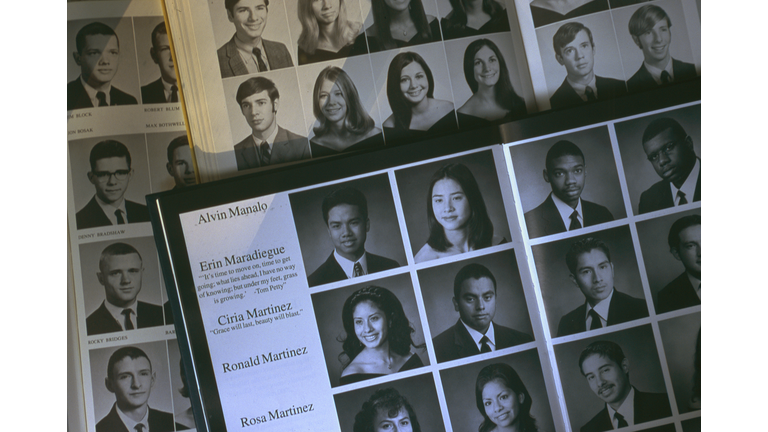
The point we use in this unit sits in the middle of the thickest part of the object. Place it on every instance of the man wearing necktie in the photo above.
(606, 369)
(651, 30)
(670, 150)
(589, 261)
(164, 89)
(110, 175)
(120, 272)
(685, 245)
(564, 210)
(247, 52)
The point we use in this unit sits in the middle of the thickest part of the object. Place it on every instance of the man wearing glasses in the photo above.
(110, 174)
(670, 150)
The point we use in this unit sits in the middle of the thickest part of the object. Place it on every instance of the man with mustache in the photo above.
(589, 261)
(606, 369)
(685, 245)
(564, 210)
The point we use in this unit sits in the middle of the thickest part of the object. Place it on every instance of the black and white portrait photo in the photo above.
(121, 285)
(170, 161)
(408, 404)
(101, 65)
(182, 407)
(590, 282)
(568, 182)
(446, 212)
(392, 25)
(545, 12)
(682, 346)
(156, 70)
(498, 393)
(110, 179)
(348, 230)
(475, 306)
(471, 18)
(613, 380)
(660, 154)
(370, 330)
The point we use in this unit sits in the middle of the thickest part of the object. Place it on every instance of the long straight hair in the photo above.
(401, 107)
(310, 31)
(503, 91)
(357, 119)
(382, 18)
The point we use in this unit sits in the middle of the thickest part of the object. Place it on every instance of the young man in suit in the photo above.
(345, 212)
(163, 89)
(247, 53)
(180, 165)
(670, 150)
(120, 272)
(130, 378)
(268, 143)
(575, 50)
(564, 210)
(110, 175)
(685, 245)
(474, 298)
(606, 369)
(98, 55)
(651, 30)
(589, 261)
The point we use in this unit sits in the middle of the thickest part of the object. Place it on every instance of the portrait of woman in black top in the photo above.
(326, 32)
(503, 400)
(473, 18)
(399, 24)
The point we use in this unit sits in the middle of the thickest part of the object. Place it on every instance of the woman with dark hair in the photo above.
(503, 400)
(386, 409)
(456, 215)
(474, 17)
(546, 12)
(493, 99)
(399, 24)
(326, 32)
(342, 122)
(378, 336)
(416, 114)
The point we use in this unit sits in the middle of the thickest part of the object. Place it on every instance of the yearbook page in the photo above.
(269, 84)
(126, 138)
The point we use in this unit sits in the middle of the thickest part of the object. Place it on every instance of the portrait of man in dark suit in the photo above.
(130, 378)
(606, 370)
(247, 52)
(651, 30)
(575, 50)
(589, 261)
(110, 175)
(564, 210)
(120, 272)
(345, 212)
(163, 89)
(474, 298)
(685, 245)
(268, 143)
(98, 55)
(670, 150)
(180, 165)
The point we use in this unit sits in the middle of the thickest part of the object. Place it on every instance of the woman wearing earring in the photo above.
(326, 33)
(493, 99)
(398, 24)
(474, 17)
(503, 400)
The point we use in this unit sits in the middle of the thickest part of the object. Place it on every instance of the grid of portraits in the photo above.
(345, 75)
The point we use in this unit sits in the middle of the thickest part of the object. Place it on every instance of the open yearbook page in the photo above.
(551, 284)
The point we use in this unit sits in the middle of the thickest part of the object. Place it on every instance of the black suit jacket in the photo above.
(623, 308)
(231, 64)
(456, 343)
(78, 98)
(607, 88)
(676, 295)
(331, 271)
(288, 147)
(153, 92)
(159, 421)
(643, 80)
(647, 407)
(92, 216)
(546, 220)
(101, 321)
(659, 196)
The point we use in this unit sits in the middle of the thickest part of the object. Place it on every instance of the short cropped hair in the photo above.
(581, 247)
(158, 30)
(388, 401)
(645, 18)
(109, 149)
(230, 4)
(562, 148)
(567, 33)
(610, 350)
(94, 28)
(177, 142)
(131, 352)
(684, 222)
(347, 195)
(471, 271)
(116, 249)
(662, 124)
(254, 85)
